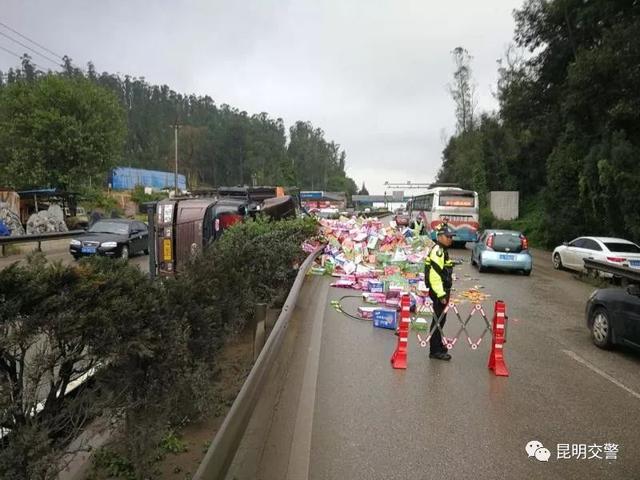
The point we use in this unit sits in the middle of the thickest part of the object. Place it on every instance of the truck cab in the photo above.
(182, 227)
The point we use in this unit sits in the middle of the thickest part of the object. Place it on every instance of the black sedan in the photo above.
(112, 238)
(613, 316)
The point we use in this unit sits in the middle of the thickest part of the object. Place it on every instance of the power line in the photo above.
(17, 56)
(9, 51)
(32, 41)
(29, 48)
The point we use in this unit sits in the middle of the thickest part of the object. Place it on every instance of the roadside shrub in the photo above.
(253, 262)
(97, 199)
(149, 347)
(60, 323)
(138, 195)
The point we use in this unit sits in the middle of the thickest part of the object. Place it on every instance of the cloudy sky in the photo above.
(372, 74)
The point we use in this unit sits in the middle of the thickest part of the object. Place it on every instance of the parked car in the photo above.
(613, 316)
(613, 250)
(504, 249)
(402, 218)
(112, 238)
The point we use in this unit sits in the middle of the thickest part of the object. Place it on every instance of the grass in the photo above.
(10, 250)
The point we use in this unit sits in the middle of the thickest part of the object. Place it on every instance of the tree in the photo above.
(58, 131)
(462, 90)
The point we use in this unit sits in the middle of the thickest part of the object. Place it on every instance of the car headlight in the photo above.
(109, 245)
(75, 242)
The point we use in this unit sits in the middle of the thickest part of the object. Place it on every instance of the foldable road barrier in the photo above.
(497, 330)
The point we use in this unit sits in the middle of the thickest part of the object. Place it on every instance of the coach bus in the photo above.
(458, 207)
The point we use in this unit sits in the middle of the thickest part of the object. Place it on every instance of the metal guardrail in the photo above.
(42, 237)
(632, 274)
(225, 444)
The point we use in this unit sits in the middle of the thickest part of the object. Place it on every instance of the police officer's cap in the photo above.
(444, 229)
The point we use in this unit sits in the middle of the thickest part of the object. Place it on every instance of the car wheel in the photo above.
(124, 253)
(601, 329)
(526, 272)
(76, 257)
(473, 262)
(146, 251)
(557, 261)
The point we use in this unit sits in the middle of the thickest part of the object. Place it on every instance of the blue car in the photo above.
(503, 249)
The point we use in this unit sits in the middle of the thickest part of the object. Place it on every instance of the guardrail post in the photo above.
(39, 246)
(272, 316)
(259, 333)
(3, 252)
(225, 444)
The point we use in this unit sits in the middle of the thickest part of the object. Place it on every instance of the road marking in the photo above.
(300, 454)
(605, 375)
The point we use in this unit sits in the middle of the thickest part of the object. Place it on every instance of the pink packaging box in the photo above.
(366, 312)
(343, 284)
(375, 297)
(392, 302)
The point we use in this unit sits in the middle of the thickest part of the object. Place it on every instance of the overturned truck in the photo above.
(182, 227)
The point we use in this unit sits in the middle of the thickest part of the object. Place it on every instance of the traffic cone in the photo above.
(399, 357)
(496, 357)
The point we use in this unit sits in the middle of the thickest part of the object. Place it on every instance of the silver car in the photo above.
(616, 251)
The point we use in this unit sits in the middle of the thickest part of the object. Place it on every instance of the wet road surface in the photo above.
(456, 420)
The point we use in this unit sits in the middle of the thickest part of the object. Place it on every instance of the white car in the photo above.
(613, 250)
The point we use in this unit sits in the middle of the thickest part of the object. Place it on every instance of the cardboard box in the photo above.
(385, 318)
(376, 286)
(366, 312)
(374, 297)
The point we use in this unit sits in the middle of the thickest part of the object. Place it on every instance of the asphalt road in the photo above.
(360, 419)
(58, 250)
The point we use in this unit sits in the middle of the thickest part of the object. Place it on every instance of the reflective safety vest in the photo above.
(438, 271)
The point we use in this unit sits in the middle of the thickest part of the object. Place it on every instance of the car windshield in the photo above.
(118, 228)
(622, 247)
(506, 242)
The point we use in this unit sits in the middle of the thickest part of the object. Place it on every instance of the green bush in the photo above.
(252, 262)
(138, 195)
(97, 199)
(152, 345)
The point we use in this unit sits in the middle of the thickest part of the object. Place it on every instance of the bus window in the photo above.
(428, 202)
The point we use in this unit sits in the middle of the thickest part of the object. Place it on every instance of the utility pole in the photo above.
(176, 126)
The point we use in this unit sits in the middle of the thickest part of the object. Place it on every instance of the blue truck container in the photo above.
(126, 178)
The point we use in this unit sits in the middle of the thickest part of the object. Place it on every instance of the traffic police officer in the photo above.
(439, 279)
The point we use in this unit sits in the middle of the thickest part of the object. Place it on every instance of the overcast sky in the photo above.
(372, 74)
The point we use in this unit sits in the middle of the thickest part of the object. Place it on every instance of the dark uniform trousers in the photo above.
(435, 344)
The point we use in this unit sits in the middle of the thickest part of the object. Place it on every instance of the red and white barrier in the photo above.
(399, 357)
(496, 357)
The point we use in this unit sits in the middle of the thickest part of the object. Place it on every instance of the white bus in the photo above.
(458, 207)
